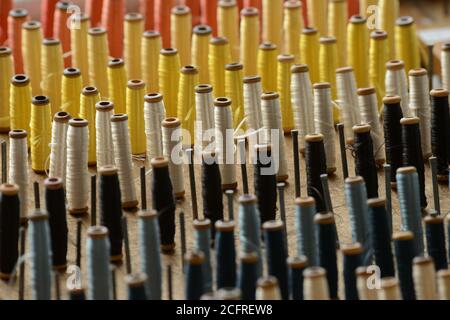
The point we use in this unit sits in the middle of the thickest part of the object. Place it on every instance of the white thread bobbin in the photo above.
(173, 150)
(252, 102)
(77, 178)
(445, 66)
(104, 142)
(315, 286)
(362, 279)
(268, 289)
(223, 120)
(368, 106)
(271, 116)
(123, 160)
(424, 276)
(154, 114)
(419, 103)
(324, 123)
(348, 100)
(443, 279)
(302, 102)
(204, 102)
(389, 289)
(58, 146)
(18, 167)
(397, 85)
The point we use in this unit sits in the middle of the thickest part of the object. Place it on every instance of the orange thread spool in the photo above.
(194, 5)
(112, 20)
(209, 14)
(162, 20)
(5, 7)
(94, 11)
(15, 20)
(61, 31)
(47, 16)
(146, 8)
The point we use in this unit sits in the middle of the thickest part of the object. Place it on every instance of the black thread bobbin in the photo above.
(365, 165)
(392, 114)
(440, 131)
(194, 275)
(248, 275)
(265, 181)
(352, 260)
(9, 229)
(381, 237)
(164, 203)
(435, 234)
(111, 210)
(327, 250)
(225, 255)
(136, 286)
(315, 167)
(296, 267)
(211, 190)
(55, 203)
(412, 152)
(404, 255)
(276, 254)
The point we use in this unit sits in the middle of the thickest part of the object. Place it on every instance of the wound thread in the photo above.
(315, 167)
(89, 98)
(304, 225)
(265, 183)
(225, 255)
(352, 260)
(404, 255)
(435, 234)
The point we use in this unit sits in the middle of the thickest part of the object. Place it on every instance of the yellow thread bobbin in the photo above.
(285, 62)
(358, 53)
(135, 111)
(79, 44)
(317, 13)
(181, 28)
(250, 31)
(309, 48)
(20, 102)
(378, 56)
(98, 60)
(52, 66)
(219, 56)
(31, 51)
(268, 66)
(134, 27)
(387, 15)
(71, 88)
(234, 90)
(117, 80)
(6, 66)
(151, 46)
(169, 67)
(328, 56)
(273, 21)
(407, 43)
(186, 102)
(89, 98)
(293, 24)
(337, 27)
(200, 51)
(40, 133)
(228, 25)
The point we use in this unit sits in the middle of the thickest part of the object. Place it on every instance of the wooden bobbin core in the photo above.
(248, 199)
(248, 257)
(38, 215)
(420, 72)
(169, 51)
(421, 261)
(230, 294)
(409, 121)
(389, 283)
(443, 274)
(148, 214)
(284, 57)
(433, 219)
(218, 41)
(40, 101)
(395, 65)
(31, 25)
(171, 123)
(18, 134)
(194, 258)
(181, 10)
(268, 46)
(104, 106)
(327, 40)
(316, 137)
(108, 170)
(97, 31)
(202, 30)
(322, 85)
(273, 226)
(314, 272)
(390, 100)
(299, 68)
(9, 189)
(404, 21)
(379, 35)
(354, 180)
(168, 249)
(439, 93)
(89, 91)
(119, 117)
(249, 12)
(344, 70)
(62, 117)
(154, 97)
(222, 102)
(136, 280)
(235, 66)
(407, 170)
(50, 42)
(97, 232)
(224, 226)
(204, 88)
(309, 31)
(136, 84)
(189, 70)
(5, 51)
(305, 202)
(116, 63)
(72, 72)
(252, 79)
(267, 282)
(204, 224)
(78, 123)
(297, 262)
(291, 5)
(403, 236)
(324, 218)
(149, 34)
(446, 47)
(53, 183)
(134, 17)
(366, 91)
(20, 80)
(351, 249)
(357, 19)
(376, 202)
(362, 128)
(160, 162)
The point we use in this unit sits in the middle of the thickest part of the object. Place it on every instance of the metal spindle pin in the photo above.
(340, 127)
(230, 198)
(143, 189)
(4, 163)
(281, 186)
(433, 165)
(94, 200)
(78, 253)
(298, 191)
(430, 65)
(127, 244)
(242, 154)
(326, 192)
(169, 282)
(113, 283)
(57, 287)
(388, 187)
(190, 154)
(23, 232)
(183, 237)
(37, 195)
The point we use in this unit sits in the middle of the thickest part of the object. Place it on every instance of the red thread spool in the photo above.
(162, 19)
(61, 31)
(15, 20)
(194, 5)
(5, 7)
(94, 11)
(208, 9)
(47, 16)
(353, 7)
(147, 9)
(112, 20)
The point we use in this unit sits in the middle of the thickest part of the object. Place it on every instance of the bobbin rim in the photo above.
(229, 294)
(78, 122)
(53, 183)
(31, 25)
(322, 85)
(395, 64)
(354, 180)
(153, 97)
(250, 12)
(388, 282)
(222, 102)
(324, 218)
(327, 40)
(134, 17)
(202, 30)
(18, 13)
(362, 128)
(219, 41)
(309, 31)
(136, 84)
(267, 282)
(351, 249)
(97, 232)
(51, 42)
(89, 91)
(402, 236)
(96, 31)
(251, 79)
(116, 63)
(362, 271)
(409, 121)
(357, 19)
(38, 215)
(71, 72)
(227, 4)
(171, 122)
(61, 117)
(446, 47)
(299, 68)
(443, 273)
(429, 219)
(194, 258)
(263, 147)
(347, 69)
(297, 262)
(20, 80)
(203, 88)
(418, 72)
(405, 170)
(291, 5)
(421, 260)
(366, 91)
(404, 21)
(18, 134)
(305, 202)
(9, 189)
(378, 35)
(286, 57)
(314, 272)
(136, 280)
(439, 93)
(5, 51)
(104, 106)
(226, 226)
(248, 199)
(40, 100)
(389, 100)
(314, 137)
(273, 225)
(234, 66)
(180, 10)
(267, 46)
(168, 51)
(248, 257)
(376, 202)
(189, 70)
(148, 214)
(119, 117)
(271, 95)
(108, 170)
(150, 34)
(204, 224)
(159, 162)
